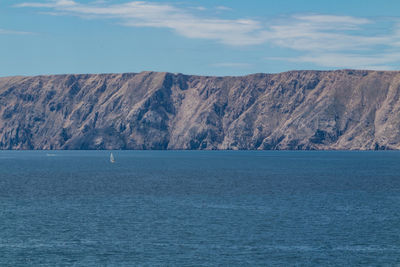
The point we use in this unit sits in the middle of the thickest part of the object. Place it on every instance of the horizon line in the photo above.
(200, 75)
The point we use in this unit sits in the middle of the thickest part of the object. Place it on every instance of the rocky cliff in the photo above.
(345, 109)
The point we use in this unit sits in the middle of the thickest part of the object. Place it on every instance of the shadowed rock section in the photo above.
(345, 109)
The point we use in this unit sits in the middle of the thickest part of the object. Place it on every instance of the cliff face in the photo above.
(344, 109)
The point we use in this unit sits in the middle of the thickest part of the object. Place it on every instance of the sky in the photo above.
(209, 37)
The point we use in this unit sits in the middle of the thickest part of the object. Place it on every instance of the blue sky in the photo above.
(219, 37)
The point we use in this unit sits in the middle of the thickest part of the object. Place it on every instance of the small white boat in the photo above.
(112, 160)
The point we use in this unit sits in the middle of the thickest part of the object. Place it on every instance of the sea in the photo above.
(200, 208)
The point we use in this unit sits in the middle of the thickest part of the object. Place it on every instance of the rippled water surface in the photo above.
(201, 208)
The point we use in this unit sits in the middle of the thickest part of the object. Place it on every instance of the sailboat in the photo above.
(112, 160)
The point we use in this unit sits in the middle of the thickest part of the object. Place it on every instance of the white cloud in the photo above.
(328, 20)
(325, 33)
(54, 4)
(346, 60)
(147, 14)
(324, 40)
(201, 8)
(232, 65)
(351, 60)
(223, 8)
(336, 42)
(3, 31)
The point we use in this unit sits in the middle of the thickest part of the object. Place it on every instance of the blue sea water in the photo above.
(199, 208)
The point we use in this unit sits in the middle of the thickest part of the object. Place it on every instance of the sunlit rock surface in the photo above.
(345, 109)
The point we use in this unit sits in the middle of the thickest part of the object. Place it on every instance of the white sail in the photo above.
(112, 160)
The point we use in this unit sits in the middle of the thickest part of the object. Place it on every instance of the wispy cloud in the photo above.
(377, 61)
(201, 8)
(337, 42)
(224, 8)
(325, 40)
(346, 60)
(3, 31)
(231, 65)
(52, 4)
(147, 14)
(325, 33)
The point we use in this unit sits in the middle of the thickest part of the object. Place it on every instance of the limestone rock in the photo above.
(344, 109)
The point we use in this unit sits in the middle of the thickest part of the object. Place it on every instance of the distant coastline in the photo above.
(295, 110)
